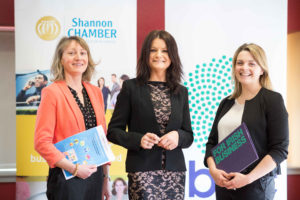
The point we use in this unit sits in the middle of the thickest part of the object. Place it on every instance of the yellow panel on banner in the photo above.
(29, 162)
(117, 168)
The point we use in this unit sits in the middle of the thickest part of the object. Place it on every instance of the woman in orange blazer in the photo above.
(68, 106)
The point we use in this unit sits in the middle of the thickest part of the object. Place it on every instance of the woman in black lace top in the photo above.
(155, 108)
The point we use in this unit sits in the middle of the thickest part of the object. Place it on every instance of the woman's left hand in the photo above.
(236, 180)
(169, 141)
(105, 189)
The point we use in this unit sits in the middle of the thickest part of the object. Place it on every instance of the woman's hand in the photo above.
(105, 189)
(149, 140)
(236, 180)
(169, 141)
(85, 171)
(82, 171)
(220, 177)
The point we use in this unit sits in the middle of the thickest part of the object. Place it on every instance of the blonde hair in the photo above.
(260, 58)
(57, 70)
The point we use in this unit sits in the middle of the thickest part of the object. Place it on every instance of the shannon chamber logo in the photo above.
(47, 28)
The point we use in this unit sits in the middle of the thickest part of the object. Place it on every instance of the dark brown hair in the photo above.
(124, 77)
(174, 71)
(99, 81)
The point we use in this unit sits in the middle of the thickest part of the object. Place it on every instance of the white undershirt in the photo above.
(231, 120)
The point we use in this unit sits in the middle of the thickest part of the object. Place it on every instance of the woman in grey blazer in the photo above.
(155, 108)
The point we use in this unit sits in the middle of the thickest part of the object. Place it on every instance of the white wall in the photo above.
(7, 104)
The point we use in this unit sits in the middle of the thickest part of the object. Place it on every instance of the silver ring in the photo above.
(234, 188)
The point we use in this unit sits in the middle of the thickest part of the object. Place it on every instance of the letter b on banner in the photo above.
(192, 180)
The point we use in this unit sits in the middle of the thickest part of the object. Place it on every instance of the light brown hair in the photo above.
(57, 70)
(260, 58)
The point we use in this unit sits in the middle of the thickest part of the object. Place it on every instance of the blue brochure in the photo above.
(86, 148)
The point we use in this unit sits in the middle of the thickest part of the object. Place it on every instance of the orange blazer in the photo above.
(59, 117)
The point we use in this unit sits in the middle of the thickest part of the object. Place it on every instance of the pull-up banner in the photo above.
(109, 28)
(208, 33)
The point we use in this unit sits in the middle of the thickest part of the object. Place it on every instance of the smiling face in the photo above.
(119, 187)
(74, 59)
(159, 59)
(39, 81)
(246, 70)
(101, 81)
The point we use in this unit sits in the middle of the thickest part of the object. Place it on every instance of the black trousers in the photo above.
(58, 188)
(261, 189)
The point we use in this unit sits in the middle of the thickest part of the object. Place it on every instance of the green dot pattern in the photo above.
(208, 84)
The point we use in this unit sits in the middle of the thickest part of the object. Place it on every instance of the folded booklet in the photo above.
(235, 152)
(87, 147)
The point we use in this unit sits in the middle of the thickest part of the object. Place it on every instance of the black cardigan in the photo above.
(267, 120)
(134, 109)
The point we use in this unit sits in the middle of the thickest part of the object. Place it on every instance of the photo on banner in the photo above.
(28, 91)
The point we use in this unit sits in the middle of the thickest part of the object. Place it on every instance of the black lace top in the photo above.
(160, 96)
(87, 110)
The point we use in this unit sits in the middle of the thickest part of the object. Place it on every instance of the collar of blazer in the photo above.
(94, 98)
